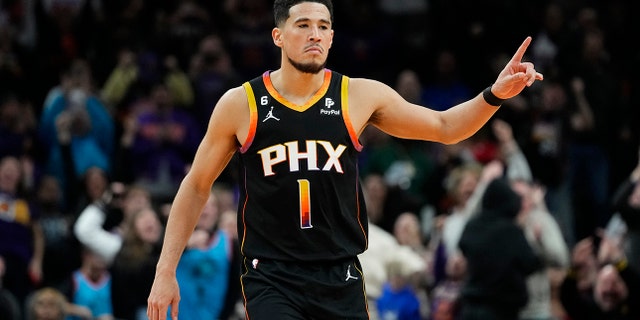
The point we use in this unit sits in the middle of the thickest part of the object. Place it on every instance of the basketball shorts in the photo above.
(295, 291)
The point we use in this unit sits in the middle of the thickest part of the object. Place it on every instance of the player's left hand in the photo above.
(516, 75)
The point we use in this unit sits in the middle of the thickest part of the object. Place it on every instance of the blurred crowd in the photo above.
(537, 216)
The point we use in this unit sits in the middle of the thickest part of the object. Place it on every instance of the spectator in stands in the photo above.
(212, 73)
(164, 145)
(383, 251)
(133, 268)
(544, 236)
(233, 305)
(89, 288)
(600, 284)
(21, 236)
(57, 227)
(445, 304)
(77, 113)
(545, 147)
(593, 120)
(499, 258)
(408, 232)
(102, 225)
(203, 269)
(46, 304)
(137, 70)
(467, 184)
(399, 299)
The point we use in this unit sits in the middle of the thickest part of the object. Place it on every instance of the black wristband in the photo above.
(490, 98)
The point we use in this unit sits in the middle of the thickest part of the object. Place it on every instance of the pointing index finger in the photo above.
(521, 50)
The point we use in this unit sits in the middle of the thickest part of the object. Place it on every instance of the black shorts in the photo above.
(278, 290)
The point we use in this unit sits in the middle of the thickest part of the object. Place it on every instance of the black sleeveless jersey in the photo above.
(300, 198)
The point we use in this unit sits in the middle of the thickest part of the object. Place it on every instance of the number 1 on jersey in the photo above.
(305, 204)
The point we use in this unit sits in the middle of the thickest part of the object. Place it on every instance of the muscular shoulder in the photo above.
(368, 98)
(368, 89)
(232, 112)
(234, 99)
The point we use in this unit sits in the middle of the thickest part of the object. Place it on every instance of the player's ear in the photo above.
(331, 39)
(276, 34)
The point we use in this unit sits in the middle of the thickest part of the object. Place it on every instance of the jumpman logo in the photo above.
(270, 116)
(349, 276)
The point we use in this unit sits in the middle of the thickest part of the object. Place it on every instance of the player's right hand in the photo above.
(165, 293)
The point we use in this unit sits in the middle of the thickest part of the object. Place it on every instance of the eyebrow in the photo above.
(304, 19)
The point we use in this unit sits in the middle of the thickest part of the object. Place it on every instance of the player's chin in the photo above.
(311, 66)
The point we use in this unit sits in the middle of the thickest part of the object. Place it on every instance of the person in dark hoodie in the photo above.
(499, 258)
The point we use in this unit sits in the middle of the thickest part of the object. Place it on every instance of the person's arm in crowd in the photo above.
(545, 234)
(549, 243)
(47, 124)
(178, 83)
(88, 229)
(583, 119)
(490, 171)
(63, 134)
(612, 253)
(517, 166)
(412, 262)
(622, 200)
(120, 79)
(35, 265)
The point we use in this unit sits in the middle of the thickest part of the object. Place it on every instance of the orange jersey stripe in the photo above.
(345, 113)
(253, 117)
(300, 108)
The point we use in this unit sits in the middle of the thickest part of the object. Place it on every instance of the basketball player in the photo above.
(301, 218)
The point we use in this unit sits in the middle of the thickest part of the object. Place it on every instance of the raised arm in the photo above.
(88, 229)
(387, 110)
(214, 153)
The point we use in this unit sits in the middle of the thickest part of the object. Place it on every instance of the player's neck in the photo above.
(294, 85)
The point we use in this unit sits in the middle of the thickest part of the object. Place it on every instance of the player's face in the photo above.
(306, 37)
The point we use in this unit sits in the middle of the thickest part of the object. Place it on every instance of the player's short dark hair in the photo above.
(281, 9)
